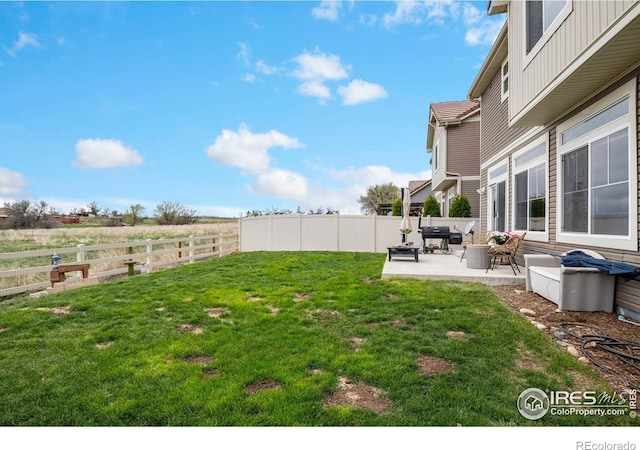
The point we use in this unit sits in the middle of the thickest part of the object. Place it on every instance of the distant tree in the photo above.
(460, 207)
(377, 195)
(94, 209)
(431, 207)
(173, 213)
(114, 213)
(134, 214)
(25, 214)
(396, 207)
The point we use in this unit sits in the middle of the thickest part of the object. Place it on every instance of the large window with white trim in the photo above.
(597, 185)
(497, 209)
(530, 188)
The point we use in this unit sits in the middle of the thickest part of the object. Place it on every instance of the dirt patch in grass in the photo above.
(390, 297)
(217, 312)
(300, 296)
(187, 299)
(186, 328)
(2, 330)
(397, 323)
(159, 309)
(431, 365)
(63, 311)
(203, 359)
(459, 335)
(254, 299)
(357, 394)
(324, 315)
(261, 385)
(272, 309)
(547, 313)
(356, 342)
(210, 373)
(315, 371)
(104, 344)
(433, 310)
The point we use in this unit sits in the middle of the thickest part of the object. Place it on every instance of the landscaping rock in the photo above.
(527, 312)
(574, 351)
(584, 360)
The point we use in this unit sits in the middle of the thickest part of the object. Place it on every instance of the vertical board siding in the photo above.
(463, 149)
(587, 21)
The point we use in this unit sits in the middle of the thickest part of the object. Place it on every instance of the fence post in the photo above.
(149, 253)
(81, 254)
(220, 245)
(191, 251)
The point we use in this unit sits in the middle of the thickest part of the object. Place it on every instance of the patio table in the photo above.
(404, 250)
(477, 256)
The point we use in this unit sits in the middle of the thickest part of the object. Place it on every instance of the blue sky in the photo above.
(226, 107)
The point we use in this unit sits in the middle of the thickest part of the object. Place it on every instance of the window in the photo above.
(436, 156)
(505, 80)
(540, 16)
(596, 186)
(530, 185)
(597, 181)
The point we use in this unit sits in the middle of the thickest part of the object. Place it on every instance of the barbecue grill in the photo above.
(444, 234)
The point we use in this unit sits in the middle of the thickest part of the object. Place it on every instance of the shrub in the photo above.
(396, 207)
(431, 207)
(460, 207)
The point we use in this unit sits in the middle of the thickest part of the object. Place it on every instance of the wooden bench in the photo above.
(57, 274)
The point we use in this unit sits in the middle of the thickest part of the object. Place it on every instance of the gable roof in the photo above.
(453, 111)
(492, 63)
(416, 185)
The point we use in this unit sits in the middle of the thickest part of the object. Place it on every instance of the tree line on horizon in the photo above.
(25, 214)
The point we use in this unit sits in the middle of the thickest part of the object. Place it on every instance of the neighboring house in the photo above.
(5, 212)
(559, 91)
(420, 190)
(453, 139)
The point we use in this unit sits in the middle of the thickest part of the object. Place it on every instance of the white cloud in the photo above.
(483, 33)
(410, 12)
(263, 68)
(24, 40)
(327, 10)
(319, 66)
(314, 89)
(246, 150)
(282, 184)
(104, 153)
(244, 54)
(480, 28)
(11, 183)
(359, 91)
(249, 77)
(368, 19)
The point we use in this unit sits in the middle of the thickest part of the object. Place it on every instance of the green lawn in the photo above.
(299, 321)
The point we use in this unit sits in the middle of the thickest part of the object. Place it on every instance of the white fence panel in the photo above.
(286, 232)
(255, 233)
(335, 232)
(320, 232)
(357, 234)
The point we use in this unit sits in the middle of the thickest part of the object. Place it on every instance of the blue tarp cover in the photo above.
(577, 258)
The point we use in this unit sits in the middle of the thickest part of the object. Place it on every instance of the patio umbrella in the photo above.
(405, 225)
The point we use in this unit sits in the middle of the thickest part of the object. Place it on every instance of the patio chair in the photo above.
(506, 251)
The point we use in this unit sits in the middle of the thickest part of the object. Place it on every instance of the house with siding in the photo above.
(560, 95)
(453, 139)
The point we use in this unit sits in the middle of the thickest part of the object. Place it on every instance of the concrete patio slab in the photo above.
(438, 266)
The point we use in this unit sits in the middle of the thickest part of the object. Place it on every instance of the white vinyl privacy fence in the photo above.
(334, 232)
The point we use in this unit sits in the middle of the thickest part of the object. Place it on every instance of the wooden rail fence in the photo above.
(29, 270)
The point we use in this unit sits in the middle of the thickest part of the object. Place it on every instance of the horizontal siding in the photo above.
(463, 149)
(627, 293)
(469, 189)
(587, 21)
(494, 125)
